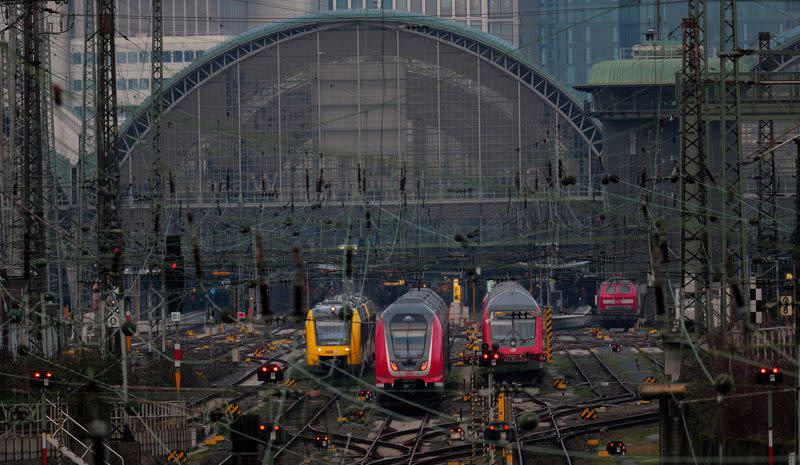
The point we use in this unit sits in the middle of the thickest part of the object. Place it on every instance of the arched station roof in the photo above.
(490, 49)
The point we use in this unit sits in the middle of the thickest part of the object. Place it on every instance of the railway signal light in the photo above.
(769, 376)
(499, 431)
(321, 441)
(270, 432)
(42, 378)
(616, 448)
(490, 358)
(271, 373)
(456, 433)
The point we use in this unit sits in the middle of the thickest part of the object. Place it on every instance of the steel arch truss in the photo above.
(481, 45)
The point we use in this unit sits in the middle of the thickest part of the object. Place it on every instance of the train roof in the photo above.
(354, 301)
(618, 281)
(420, 297)
(510, 296)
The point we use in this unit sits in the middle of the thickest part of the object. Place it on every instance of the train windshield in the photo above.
(408, 336)
(332, 331)
(618, 289)
(510, 332)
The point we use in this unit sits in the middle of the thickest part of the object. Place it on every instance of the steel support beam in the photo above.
(34, 244)
(695, 257)
(733, 249)
(110, 243)
(766, 185)
(87, 150)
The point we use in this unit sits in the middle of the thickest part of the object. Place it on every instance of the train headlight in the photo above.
(424, 365)
(319, 349)
(347, 349)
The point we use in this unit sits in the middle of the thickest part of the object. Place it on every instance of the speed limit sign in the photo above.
(786, 305)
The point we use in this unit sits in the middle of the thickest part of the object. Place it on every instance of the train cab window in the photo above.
(507, 331)
(625, 289)
(332, 331)
(408, 336)
(611, 289)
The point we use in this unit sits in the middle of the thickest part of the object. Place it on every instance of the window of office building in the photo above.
(402, 5)
(502, 29)
(386, 4)
(430, 7)
(341, 4)
(122, 84)
(474, 7)
(76, 85)
(132, 57)
(177, 56)
(501, 7)
(461, 7)
(416, 6)
(144, 57)
(167, 57)
(133, 84)
(144, 84)
(198, 53)
(122, 57)
(447, 7)
(76, 58)
(188, 55)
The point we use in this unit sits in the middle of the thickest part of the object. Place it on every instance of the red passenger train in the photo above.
(617, 304)
(512, 328)
(412, 344)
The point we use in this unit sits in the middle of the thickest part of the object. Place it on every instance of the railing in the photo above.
(64, 425)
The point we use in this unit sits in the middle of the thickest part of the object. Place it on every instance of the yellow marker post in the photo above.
(548, 333)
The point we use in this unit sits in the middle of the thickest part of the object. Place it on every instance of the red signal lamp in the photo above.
(173, 265)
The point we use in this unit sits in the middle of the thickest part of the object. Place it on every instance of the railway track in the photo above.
(306, 426)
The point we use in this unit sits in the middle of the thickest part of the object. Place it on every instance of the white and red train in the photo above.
(512, 328)
(617, 304)
(412, 350)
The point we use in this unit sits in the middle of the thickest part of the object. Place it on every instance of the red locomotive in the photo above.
(617, 304)
(412, 350)
(512, 328)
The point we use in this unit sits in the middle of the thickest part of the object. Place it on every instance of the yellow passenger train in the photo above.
(340, 332)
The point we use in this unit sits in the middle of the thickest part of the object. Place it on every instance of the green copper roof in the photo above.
(638, 72)
(648, 71)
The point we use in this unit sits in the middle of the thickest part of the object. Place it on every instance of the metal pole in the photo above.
(769, 423)
(44, 426)
(123, 351)
(796, 259)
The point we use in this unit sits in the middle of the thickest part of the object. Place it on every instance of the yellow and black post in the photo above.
(548, 334)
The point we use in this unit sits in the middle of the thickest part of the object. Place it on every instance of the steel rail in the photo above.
(372, 446)
(418, 439)
(611, 372)
(307, 425)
